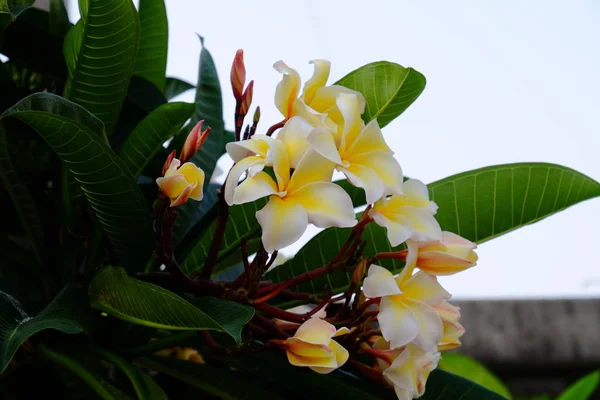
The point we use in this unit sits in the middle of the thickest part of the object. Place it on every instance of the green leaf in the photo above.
(104, 389)
(151, 61)
(479, 205)
(583, 389)
(241, 224)
(21, 198)
(100, 54)
(175, 87)
(58, 23)
(114, 293)
(232, 316)
(115, 198)
(389, 89)
(10, 10)
(191, 217)
(145, 388)
(473, 370)
(68, 313)
(148, 137)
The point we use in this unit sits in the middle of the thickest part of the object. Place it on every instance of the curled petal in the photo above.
(240, 150)
(316, 331)
(323, 143)
(385, 166)
(399, 325)
(294, 136)
(277, 158)
(370, 139)
(327, 205)
(410, 264)
(340, 355)
(312, 362)
(287, 90)
(398, 230)
(306, 349)
(254, 188)
(380, 282)
(195, 177)
(318, 80)
(349, 107)
(417, 195)
(366, 178)
(325, 101)
(431, 329)
(236, 172)
(172, 185)
(426, 288)
(282, 222)
(183, 196)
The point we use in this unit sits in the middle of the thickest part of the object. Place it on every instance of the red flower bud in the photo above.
(238, 75)
(194, 141)
(247, 99)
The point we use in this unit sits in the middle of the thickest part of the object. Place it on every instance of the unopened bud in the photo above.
(238, 75)
(167, 163)
(194, 141)
(359, 271)
(256, 117)
(247, 99)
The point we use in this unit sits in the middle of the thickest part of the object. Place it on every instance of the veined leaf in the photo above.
(66, 313)
(100, 53)
(58, 18)
(148, 137)
(175, 87)
(104, 389)
(389, 89)
(21, 198)
(241, 224)
(115, 198)
(151, 61)
(10, 10)
(145, 388)
(479, 205)
(190, 219)
(473, 370)
(114, 293)
(583, 389)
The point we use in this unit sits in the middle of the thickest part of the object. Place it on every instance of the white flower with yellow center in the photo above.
(410, 215)
(359, 151)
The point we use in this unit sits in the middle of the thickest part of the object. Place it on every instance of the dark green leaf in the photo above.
(100, 53)
(104, 389)
(240, 225)
(191, 217)
(151, 61)
(114, 293)
(479, 205)
(21, 198)
(10, 10)
(150, 134)
(468, 368)
(114, 196)
(230, 315)
(389, 89)
(68, 313)
(175, 87)
(583, 388)
(145, 388)
(59, 23)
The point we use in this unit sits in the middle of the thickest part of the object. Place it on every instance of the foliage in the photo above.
(106, 289)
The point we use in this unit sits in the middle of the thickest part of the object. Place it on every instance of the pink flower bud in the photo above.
(238, 75)
(194, 141)
(247, 99)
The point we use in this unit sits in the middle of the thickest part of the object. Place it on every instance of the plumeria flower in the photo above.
(447, 256)
(295, 200)
(317, 104)
(360, 152)
(312, 346)
(410, 215)
(182, 182)
(406, 312)
(294, 136)
(409, 370)
(453, 330)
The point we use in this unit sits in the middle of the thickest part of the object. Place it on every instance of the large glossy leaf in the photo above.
(479, 205)
(191, 216)
(582, 389)
(148, 137)
(58, 22)
(389, 89)
(470, 369)
(114, 293)
(10, 10)
(175, 87)
(241, 224)
(100, 54)
(145, 388)
(115, 198)
(104, 389)
(68, 313)
(21, 198)
(151, 61)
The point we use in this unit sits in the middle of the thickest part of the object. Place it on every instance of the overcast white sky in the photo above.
(508, 82)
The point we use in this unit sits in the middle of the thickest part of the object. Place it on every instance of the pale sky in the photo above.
(507, 82)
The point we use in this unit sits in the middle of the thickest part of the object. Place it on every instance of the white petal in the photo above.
(426, 227)
(318, 80)
(277, 158)
(327, 205)
(245, 148)
(282, 223)
(410, 264)
(431, 328)
(349, 107)
(370, 139)
(385, 166)
(287, 90)
(398, 231)
(236, 172)
(323, 143)
(426, 288)
(380, 282)
(366, 178)
(254, 188)
(293, 135)
(313, 167)
(398, 323)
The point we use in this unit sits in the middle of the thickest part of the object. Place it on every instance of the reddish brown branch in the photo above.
(273, 128)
